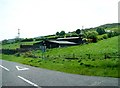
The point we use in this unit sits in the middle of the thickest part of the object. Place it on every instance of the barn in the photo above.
(59, 42)
(55, 44)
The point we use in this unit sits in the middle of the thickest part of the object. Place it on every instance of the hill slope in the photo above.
(106, 46)
(100, 59)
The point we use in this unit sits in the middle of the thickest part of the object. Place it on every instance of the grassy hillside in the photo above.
(112, 25)
(99, 59)
(10, 46)
(106, 46)
(17, 45)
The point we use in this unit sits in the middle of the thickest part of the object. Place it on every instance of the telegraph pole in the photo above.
(82, 27)
(82, 32)
(18, 33)
(19, 37)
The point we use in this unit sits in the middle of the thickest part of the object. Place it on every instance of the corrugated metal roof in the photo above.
(62, 42)
(68, 38)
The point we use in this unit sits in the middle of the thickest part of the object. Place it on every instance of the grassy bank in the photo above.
(97, 68)
(16, 45)
(97, 59)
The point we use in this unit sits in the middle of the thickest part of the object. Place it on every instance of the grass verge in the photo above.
(96, 68)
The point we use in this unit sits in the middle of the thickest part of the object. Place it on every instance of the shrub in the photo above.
(100, 31)
(92, 35)
(99, 37)
(110, 34)
(17, 54)
(105, 36)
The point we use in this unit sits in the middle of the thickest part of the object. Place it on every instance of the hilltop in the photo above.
(112, 25)
(76, 33)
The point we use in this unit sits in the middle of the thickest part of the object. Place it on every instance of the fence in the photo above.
(83, 56)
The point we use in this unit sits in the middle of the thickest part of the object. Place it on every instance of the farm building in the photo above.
(59, 42)
(55, 44)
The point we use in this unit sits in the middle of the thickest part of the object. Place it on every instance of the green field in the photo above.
(98, 59)
(17, 45)
(106, 46)
(10, 46)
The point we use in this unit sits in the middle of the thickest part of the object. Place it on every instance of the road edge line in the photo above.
(4, 68)
(28, 81)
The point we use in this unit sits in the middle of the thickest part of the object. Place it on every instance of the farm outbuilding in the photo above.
(59, 42)
(55, 44)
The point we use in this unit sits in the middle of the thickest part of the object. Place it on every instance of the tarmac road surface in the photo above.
(15, 74)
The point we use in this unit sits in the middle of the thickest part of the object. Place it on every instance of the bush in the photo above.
(92, 35)
(105, 36)
(100, 31)
(110, 34)
(100, 37)
(17, 54)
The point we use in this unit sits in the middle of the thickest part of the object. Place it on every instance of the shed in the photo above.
(55, 44)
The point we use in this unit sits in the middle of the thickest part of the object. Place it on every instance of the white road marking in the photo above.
(21, 68)
(4, 68)
(29, 81)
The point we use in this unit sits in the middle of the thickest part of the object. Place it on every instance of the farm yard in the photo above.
(98, 59)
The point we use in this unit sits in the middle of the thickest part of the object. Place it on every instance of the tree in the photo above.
(100, 31)
(57, 33)
(4, 41)
(78, 31)
(92, 35)
(62, 33)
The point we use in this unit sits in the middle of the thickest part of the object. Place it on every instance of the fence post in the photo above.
(105, 56)
(73, 55)
(88, 56)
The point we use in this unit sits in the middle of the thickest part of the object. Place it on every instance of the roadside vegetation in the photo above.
(96, 59)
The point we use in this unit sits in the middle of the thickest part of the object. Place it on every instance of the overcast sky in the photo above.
(43, 17)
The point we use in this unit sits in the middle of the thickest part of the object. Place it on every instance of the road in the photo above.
(15, 74)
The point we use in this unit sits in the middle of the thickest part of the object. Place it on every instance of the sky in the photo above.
(45, 17)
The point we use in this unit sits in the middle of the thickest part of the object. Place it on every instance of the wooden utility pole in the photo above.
(18, 33)
(19, 37)
(82, 27)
